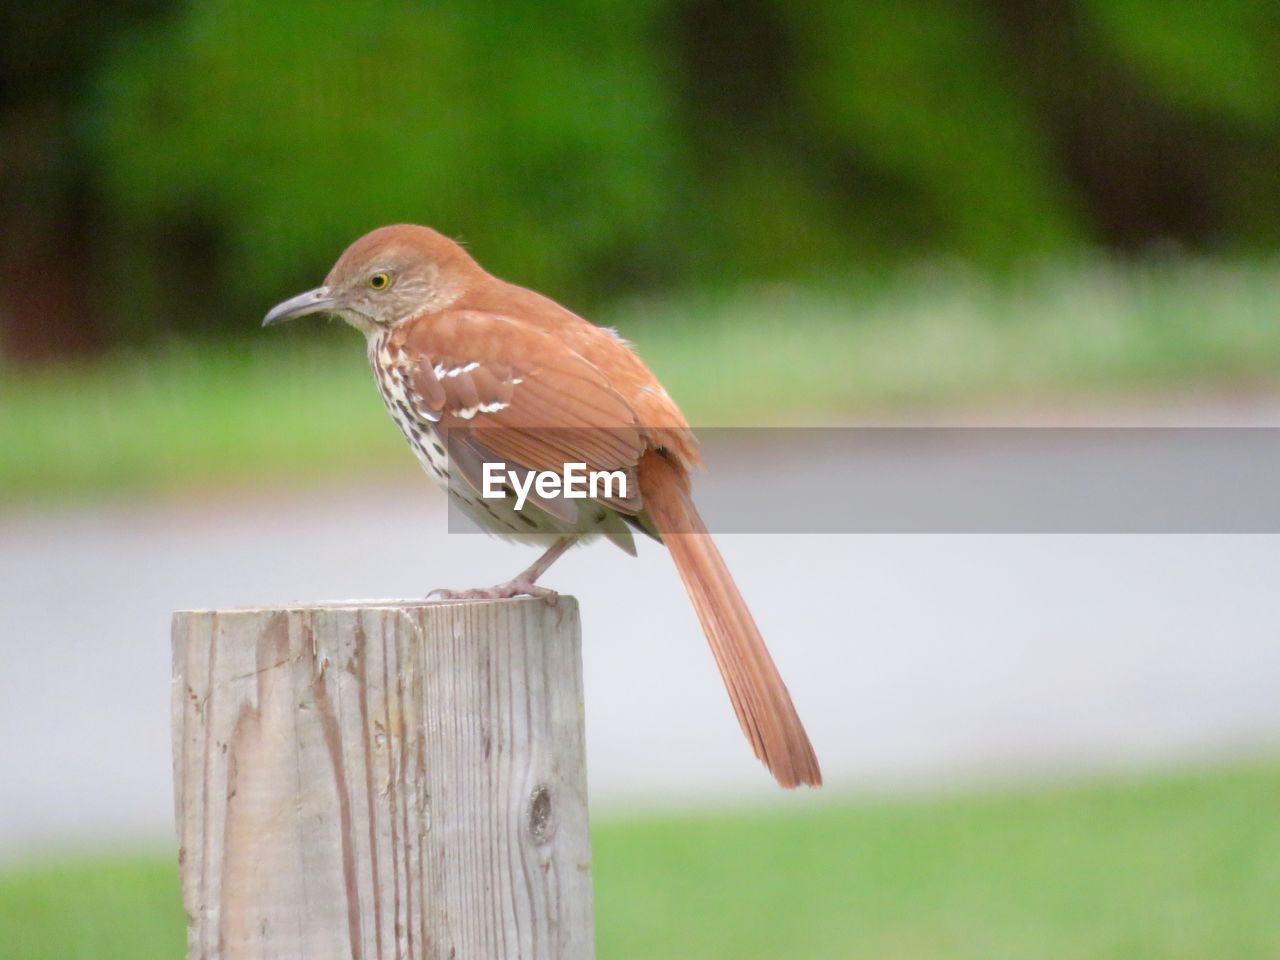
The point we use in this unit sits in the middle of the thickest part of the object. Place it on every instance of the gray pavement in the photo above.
(914, 659)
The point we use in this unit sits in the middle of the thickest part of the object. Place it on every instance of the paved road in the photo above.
(914, 659)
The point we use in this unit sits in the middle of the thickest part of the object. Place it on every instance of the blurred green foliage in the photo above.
(1226, 63)
(294, 127)
(1175, 867)
(220, 154)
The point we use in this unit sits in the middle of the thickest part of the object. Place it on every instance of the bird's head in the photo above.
(386, 277)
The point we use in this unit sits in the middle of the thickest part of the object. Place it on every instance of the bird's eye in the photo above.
(379, 281)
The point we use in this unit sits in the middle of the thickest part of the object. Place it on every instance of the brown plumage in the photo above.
(474, 369)
(759, 697)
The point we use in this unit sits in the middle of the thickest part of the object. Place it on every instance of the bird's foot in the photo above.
(519, 587)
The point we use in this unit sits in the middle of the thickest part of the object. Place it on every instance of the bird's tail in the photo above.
(759, 696)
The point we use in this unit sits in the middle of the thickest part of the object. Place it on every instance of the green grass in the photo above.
(1170, 868)
(295, 404)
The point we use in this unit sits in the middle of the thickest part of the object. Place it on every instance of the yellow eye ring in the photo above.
(379, 281)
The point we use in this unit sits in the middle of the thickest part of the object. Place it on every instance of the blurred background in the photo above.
(941, 211)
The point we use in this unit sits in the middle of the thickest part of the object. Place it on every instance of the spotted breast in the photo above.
(394, 373)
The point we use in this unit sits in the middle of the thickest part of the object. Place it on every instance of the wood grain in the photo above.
(398, 780)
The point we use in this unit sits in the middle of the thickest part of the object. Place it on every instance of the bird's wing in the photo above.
(517, 394)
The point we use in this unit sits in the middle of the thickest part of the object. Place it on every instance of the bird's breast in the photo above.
(394, 381)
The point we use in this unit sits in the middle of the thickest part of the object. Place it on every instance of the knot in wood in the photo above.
(540, 820)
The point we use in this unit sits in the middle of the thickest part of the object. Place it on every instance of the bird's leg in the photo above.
(522, 584)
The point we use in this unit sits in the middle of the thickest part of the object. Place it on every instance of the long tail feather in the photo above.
(756, 690)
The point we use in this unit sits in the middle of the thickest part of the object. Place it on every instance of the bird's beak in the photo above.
(318, 300)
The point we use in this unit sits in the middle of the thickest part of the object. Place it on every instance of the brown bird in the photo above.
(475, 370)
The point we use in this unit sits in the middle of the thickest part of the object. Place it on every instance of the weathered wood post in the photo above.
(400, 780)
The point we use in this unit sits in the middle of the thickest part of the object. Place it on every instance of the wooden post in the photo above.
(399, 780)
